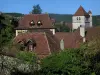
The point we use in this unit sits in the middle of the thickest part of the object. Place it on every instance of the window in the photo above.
(19, 32)
(32, 23)
(31, 44)
(79, 18)
(39, 23)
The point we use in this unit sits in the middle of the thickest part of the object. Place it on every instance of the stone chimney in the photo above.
(82, 32)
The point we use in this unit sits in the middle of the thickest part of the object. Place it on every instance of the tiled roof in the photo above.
(46, 43)
(81, 12)
(92, 33)
(44, 18)
(71, 40)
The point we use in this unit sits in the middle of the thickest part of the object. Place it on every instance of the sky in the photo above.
(50, 6)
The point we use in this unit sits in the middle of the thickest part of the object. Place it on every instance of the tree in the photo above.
(6, 31)
(67, 62)
(61, 28)
(36, 9)
(6, 34)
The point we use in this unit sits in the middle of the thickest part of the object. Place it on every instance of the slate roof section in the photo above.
(44, 18)
(81, 12)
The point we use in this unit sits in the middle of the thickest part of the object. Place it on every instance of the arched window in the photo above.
(32, 23)
(39, 23)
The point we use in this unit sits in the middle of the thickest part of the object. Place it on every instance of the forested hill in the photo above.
(62, 17)
(68, 18)
(15, 14)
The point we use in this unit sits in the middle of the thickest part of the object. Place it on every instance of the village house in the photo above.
(37, 34)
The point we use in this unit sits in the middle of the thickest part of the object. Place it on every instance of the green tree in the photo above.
(67, 62)
(36, 9)
(6, 34)
(6, 31)
(61, 28)
(30, 59)
(92, 53)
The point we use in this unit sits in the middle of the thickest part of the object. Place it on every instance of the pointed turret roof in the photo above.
(81, 12)
(89, 12)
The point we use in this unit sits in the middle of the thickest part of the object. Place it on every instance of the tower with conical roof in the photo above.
(81, 17)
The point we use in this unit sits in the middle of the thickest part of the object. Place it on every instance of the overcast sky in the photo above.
(50, 6)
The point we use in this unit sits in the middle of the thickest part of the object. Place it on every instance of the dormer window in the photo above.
(31, 44)
(32, 23)
(39, 23)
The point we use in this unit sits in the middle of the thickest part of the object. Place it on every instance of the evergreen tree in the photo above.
(36, 9)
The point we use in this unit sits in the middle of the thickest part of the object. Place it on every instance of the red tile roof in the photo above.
(92, 33)
(81, 12)
(46, 43)
(44, 18)
(71, 40)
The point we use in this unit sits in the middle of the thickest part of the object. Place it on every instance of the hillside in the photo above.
(62, 17)
(68, 18)
(15, 14)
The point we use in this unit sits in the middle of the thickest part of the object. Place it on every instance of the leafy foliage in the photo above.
(68, 62)
(30, 59)
(6, 31)
(36, 9)
(61, 27)
(93, 53)
(26, 56)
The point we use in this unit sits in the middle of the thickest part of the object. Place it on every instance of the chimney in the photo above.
(53, 31)
(62, 44)
(82, 32)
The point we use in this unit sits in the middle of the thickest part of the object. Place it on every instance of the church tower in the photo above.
(81, 17)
